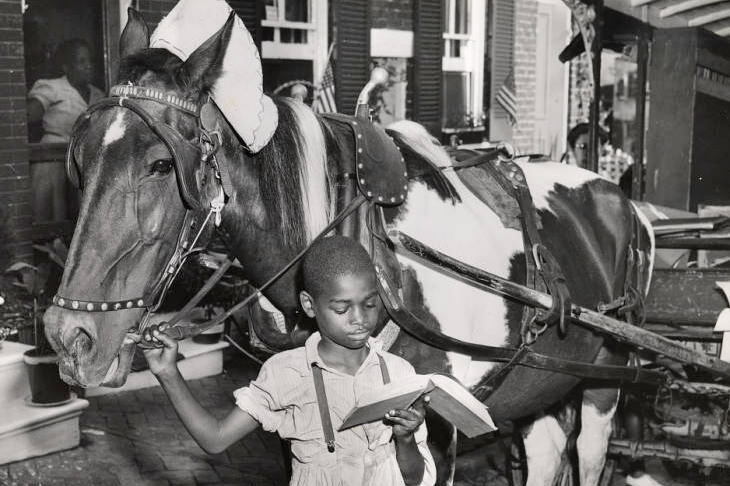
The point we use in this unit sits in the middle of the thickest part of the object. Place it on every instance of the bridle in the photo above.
(189, 158)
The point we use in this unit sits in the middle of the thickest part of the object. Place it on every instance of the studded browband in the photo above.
(154, 94)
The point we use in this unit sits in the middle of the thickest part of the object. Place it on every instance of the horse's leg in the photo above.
(544, 441)
(442, 442)
(597, 411)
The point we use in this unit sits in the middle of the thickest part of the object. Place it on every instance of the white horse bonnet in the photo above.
(238, 92)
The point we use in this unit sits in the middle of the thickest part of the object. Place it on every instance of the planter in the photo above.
(46, 386)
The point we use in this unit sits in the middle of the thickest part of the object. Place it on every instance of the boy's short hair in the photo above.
(333, 257)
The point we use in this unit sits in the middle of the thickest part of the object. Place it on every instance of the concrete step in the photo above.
(29, 431)
(201, 360)
(13, 373)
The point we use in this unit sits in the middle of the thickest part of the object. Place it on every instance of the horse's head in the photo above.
(142, 168)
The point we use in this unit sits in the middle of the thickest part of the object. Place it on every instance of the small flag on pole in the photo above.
(506, 97)
(324, 98)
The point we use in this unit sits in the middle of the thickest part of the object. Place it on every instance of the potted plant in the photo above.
(46, 385)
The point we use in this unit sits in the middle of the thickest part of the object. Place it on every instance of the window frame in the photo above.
(473, 51)
(314, 50)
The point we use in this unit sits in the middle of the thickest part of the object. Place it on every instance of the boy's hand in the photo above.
(406, 422)
(162, 361)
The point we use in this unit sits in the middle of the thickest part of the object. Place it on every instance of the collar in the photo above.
(311, 353)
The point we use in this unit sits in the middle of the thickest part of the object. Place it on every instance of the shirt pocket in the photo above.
(302, 421)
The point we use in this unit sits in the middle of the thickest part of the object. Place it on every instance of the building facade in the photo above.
(447, 60)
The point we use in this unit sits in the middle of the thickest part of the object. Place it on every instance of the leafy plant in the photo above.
(34, 280)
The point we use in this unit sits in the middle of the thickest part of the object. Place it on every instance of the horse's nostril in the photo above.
(78, 339)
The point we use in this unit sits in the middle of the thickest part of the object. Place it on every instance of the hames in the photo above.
(448, 398)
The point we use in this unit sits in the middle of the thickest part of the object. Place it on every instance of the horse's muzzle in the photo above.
(73, 336)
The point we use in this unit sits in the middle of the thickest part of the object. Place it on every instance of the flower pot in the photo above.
(46, 386)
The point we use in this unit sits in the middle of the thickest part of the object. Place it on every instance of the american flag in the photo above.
(506, 97)
(324, 98)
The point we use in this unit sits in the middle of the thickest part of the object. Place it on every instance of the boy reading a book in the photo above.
(304, 394)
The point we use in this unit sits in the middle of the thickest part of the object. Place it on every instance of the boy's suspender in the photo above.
(324, 410)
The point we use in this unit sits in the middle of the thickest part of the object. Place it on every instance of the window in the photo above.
(463, 63)
(296, 30)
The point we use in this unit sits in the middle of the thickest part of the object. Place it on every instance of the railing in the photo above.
(52, 216)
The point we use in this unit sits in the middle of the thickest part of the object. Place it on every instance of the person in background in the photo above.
(57, 103)
(578, 142)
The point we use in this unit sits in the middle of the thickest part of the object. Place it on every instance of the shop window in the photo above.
(290, 28)
(463, 64)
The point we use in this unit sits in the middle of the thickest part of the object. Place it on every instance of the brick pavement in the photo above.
(135, 438)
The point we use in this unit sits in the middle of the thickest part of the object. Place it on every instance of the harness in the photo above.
(376, 154)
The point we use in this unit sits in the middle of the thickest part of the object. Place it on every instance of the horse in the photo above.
(141, 178)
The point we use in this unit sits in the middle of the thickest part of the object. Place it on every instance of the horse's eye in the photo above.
(161, 166)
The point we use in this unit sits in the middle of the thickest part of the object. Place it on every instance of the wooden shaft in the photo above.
(619, 330)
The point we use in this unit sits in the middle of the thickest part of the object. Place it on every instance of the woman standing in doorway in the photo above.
(57, 103)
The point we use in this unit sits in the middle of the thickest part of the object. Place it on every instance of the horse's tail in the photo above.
(312, 154)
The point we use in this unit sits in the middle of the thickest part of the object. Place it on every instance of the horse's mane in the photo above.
(293, 175)
(166, 68)
(162, 63)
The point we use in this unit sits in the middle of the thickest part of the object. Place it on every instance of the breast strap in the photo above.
(324, 410)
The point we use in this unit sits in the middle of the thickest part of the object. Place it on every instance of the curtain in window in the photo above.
(456, 100)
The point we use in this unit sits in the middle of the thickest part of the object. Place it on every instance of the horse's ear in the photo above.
(204, 66)
(136, 35)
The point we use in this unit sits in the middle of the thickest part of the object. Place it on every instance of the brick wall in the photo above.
(15, 205)
(391, 14)
(525, 59)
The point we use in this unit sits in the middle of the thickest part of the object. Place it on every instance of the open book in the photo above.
(448, 398)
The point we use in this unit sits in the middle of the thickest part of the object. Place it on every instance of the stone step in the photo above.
(13, 373)
(29, 431)
(201, 360)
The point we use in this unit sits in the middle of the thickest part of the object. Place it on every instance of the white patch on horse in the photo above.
(544, 443)
(116, 130)
(472, 233)
(314, 178)
(544, 176)
(592, 443)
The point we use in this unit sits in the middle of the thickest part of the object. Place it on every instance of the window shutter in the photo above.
(428, 52)
(503, 37)
(352, 52)
(251, 12)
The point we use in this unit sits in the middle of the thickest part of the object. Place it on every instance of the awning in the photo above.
(713, 15)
